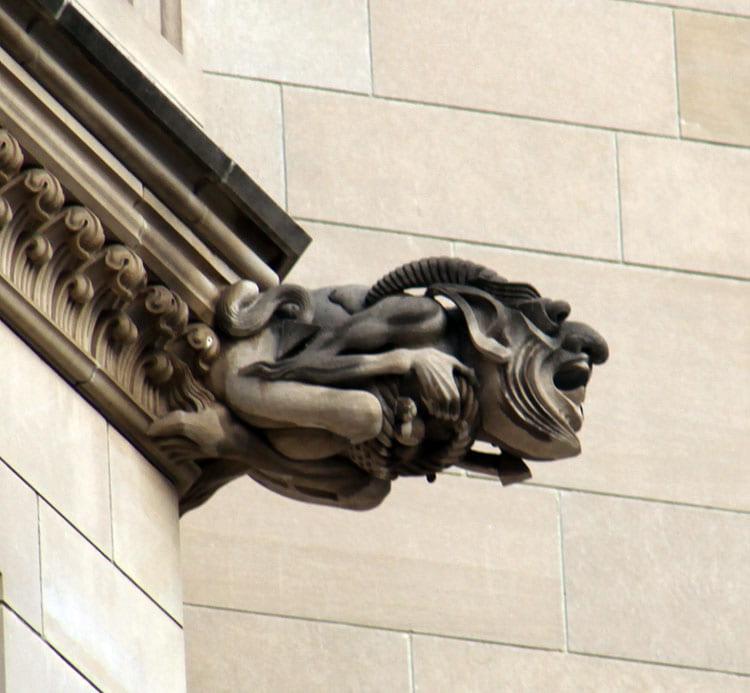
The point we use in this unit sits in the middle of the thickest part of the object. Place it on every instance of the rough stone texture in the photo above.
(666, 416)
(420, 562)
(48, 431)
(448, 173)
(30, 665)
(298, 655)
(674, 580)
(100, 620)
(325, 44)
(340, 255)
(146, 536)
(713, 54)
(19, 547)
(244, 118)
(685, 205)
(441, 664)
(602, 63)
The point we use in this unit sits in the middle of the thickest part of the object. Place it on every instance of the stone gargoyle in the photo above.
(329, 395)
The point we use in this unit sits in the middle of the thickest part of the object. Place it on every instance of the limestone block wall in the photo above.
(599, 149)
(90, 588)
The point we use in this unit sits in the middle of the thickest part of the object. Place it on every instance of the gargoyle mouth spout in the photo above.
(573, 374)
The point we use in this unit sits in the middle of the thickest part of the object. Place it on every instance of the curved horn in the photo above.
(449, 270)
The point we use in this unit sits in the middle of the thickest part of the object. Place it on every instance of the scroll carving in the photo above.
(97, 292)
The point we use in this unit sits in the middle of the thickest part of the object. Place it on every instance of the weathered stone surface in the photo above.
(229, 652)
(102, 622)
(675, 581)
(449, 173)
(684, 205)
(19, 548)
(322, 44)
(603, 63)
(462, 557)
(713, 54)
(442, 664)
(27, 663)
(74, 437)
(146, 536)
(244, 117)
(667, 415)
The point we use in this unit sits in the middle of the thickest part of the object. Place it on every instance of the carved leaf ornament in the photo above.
(97, 292)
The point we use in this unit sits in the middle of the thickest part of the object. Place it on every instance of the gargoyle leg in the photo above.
(352, 414)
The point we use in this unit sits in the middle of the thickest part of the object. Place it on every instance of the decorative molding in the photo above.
(100, 299)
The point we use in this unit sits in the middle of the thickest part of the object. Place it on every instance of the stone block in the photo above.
(19, 548)
(229, 652)
(462, 557)
(145, 529)
(666, 416)
(316, 43)
(244, 119)
(341, 255)
(685, 205)
(713, 56)
(53, 439)
(29, 665)
(100, 621)
(739, 7)
(657, 582)
(441, 664)
(601, 63)
(449, 173)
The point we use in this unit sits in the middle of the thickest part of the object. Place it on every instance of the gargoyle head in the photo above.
(531, 363)
(533, 366)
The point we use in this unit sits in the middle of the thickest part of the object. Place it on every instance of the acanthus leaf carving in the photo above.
(98, 293)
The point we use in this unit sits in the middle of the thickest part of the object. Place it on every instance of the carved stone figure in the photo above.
(328, 396)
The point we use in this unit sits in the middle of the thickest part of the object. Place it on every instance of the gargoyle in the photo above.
(329, 395)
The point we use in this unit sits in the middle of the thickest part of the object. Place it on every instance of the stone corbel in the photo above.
(120, 223)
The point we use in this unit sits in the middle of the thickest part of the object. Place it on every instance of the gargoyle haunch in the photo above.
(329, 395)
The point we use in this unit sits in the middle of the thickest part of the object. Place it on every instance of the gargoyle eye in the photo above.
(557, 311)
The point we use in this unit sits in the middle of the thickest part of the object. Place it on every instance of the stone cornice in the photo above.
(116, 235)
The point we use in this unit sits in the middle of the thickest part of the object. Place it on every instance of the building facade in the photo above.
(598, 149)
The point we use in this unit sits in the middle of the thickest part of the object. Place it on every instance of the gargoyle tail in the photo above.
(242, 311)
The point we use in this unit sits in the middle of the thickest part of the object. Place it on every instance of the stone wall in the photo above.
(598, 149)
(90, 590)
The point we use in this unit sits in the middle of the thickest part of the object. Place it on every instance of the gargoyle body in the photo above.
(328, 396)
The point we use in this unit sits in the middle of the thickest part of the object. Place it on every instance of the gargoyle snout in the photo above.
(579, 338)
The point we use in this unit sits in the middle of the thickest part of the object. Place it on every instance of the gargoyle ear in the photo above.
(485, 317)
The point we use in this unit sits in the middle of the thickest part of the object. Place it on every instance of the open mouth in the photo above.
(571, 379)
